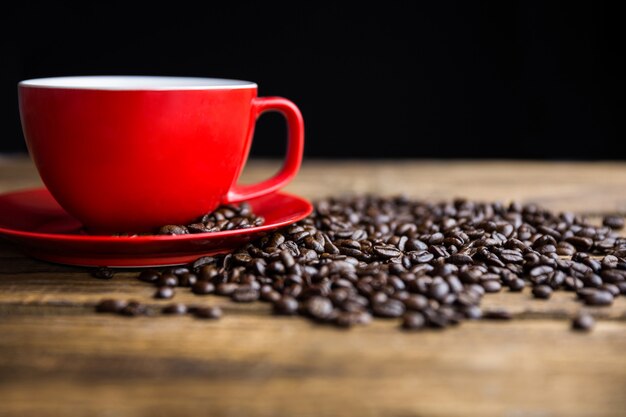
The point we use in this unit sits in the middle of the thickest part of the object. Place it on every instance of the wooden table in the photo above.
(59, 358)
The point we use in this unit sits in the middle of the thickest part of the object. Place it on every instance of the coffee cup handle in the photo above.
(295, 148)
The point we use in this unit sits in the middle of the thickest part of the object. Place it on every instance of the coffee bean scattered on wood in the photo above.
(425, 264)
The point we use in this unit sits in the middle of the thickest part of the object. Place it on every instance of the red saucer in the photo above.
(34, 221)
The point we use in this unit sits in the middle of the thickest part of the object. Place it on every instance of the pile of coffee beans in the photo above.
(425, 264)
(227, 217)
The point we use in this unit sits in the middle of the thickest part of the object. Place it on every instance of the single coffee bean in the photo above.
(516, 284)
(187, 279)
(177, 308)
(167, 280)
(319, 308)
(211, 313)
(203, 288)
(133, 309)
(286, 306)
(614, 222)
(226, 288)
(413, 321)
(491, 285)
(172, 229)
(149, 275)
(542, 291)
(580, 242)
(583, 322)
(164, 292)
(389, 309)
(348, 319)
(497, 314)
(599, 298)
(110, 306)
(103, 273)
(245, 294)
(200, 262)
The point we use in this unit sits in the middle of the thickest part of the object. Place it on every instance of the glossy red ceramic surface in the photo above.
(122, 160)
(36, 223)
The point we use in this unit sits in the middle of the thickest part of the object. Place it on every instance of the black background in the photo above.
(451, 79)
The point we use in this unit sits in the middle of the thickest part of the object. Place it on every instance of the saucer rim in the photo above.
(152, 238)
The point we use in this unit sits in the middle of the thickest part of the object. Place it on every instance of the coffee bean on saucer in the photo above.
(173, 229)
(176, 309)
(110, 306)
(213, 312)
(583, 322)
(103, 272)
(164, 292)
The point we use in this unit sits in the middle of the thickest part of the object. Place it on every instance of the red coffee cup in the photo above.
(130, 154)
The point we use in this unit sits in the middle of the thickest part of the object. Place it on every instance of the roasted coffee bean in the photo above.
(133, 309)
(173, 230)
(245, 294)
(413, 321)
(200, 262)
(565, 249)
(177, 270)
(319, 308)
(497, 314)
(614, 222)
(598, 298)
(211, 313)
(167, 280)
(203, 288)
(348, 319)
(226, 288)
(164, 292)
(491, 285)
(610, 262)
(286, 306)
(187, 279)
(583, 322)
(110, 306)
(580, 242)
(542, 291)
(388, 309)
(516, 284)
(177, 308)
(149, 275)
(103, 273)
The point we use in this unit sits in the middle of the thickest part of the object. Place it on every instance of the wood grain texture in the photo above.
(57, 357)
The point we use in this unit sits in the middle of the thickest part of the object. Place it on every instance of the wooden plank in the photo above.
(248, 365)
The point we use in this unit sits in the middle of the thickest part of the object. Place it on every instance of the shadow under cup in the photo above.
(131, 154)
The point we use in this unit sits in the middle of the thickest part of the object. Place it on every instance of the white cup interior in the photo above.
(137, 83)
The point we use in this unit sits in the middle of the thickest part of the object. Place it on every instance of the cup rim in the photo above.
(136, 83)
